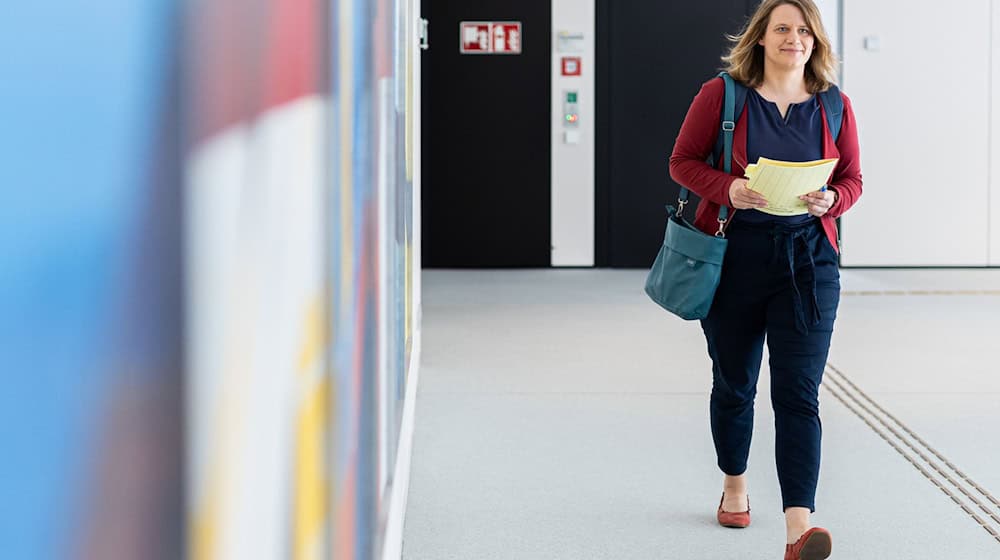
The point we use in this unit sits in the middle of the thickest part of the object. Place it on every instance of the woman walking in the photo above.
(780, 276)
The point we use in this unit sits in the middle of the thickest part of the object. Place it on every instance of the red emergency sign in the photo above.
(571, 66)
(490, 37)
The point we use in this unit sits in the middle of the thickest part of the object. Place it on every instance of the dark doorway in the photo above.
(486, 142)
(652, 59)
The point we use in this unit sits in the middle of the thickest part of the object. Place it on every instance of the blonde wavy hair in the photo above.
(745, 61)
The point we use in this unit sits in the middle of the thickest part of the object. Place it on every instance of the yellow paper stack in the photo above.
(783, 182)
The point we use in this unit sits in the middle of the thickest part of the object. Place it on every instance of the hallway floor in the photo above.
(563, 415)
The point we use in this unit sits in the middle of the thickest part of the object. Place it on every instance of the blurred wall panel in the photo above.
(90, 281)
(354, 287)
(259, 414)
(372, 262)
(207, 279)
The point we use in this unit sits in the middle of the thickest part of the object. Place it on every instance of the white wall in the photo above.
(830, 12)
(994, 190)
(573, 164)
(924, 100)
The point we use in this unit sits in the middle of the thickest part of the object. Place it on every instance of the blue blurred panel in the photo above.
(81, 102)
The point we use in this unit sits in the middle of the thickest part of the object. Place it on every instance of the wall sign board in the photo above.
(571, 65)
(490, 37)
(570, 42)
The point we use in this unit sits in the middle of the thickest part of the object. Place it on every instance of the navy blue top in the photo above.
(798, 136)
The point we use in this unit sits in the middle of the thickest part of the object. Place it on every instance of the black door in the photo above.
(486, 193)
(653, 58)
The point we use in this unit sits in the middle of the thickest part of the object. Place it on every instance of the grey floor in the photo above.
(560, 414)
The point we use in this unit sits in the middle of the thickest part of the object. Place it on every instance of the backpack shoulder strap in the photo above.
(833, 105)
(740, 101)
(733, 100)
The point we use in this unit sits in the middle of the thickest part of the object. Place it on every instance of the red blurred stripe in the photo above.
(293, 63)
(244, 63)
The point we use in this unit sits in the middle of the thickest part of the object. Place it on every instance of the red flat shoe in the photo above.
(814, 544)
(734, 520)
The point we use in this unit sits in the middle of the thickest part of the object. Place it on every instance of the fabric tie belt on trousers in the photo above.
(788, 240)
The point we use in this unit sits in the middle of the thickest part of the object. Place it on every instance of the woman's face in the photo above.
(788, 42)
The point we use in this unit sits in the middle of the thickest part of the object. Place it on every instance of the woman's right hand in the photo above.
(742, 198)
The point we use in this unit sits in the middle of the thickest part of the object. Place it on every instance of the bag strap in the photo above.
(728, 120)
(833, 105)
(740, 95)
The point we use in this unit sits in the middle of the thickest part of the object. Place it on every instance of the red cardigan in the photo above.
(696, 141)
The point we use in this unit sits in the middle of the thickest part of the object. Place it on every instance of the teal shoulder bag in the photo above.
(687, 269)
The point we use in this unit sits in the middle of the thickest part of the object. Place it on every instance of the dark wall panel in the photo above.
(486, 140)
(657, 56)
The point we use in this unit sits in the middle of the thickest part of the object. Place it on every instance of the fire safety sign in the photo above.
(571, 66)
(490, 37)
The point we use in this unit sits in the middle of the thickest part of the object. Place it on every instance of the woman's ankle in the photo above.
(734, 494)
(796, 523)
(735, 485)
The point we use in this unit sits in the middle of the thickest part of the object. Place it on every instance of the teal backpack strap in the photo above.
(833, 105)
(728, 126)
(732, 106)
(740, 95)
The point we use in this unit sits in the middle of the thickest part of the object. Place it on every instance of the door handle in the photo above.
(424, 39)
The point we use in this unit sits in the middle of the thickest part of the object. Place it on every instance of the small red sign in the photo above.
(507, 37)
(475, 37)
(490, 37)
(571, 65)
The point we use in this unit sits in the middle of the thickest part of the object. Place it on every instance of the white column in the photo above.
(573, 30)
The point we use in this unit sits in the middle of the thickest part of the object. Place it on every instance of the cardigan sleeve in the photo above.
(847, 175)
(695, 143)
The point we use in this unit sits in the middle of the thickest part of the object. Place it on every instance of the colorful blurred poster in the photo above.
(257, 186)
(354, 271)
(207, 283)
(90, 282)
(371, 262)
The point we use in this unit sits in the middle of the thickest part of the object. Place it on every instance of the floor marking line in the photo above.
(919, 440)
(989, 529)
(937, 468)
(920, 293)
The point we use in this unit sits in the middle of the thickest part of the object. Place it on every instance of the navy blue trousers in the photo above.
(783, 283)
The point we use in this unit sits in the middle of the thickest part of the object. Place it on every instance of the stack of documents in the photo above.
(783, 182)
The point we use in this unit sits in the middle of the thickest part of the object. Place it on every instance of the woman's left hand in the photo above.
(819, 202)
